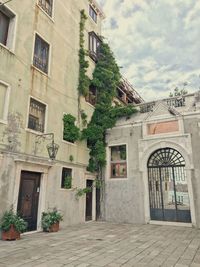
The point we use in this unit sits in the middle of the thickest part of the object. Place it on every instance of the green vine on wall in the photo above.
(71, 132)
(106, 78)
(84, 81)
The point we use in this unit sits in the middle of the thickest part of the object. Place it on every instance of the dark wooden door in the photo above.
(29, 198)
(88, 214)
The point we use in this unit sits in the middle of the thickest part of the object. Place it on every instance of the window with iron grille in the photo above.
(36, 120)
(93, 13)
(118, 161)
(7, 26)
(47, 6)
(41, 54)
(66, 181)
(94, 43)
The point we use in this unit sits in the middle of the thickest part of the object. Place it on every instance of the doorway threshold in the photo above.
(171, 223)
(31, 232)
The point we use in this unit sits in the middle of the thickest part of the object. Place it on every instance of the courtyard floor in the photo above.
(105, 244)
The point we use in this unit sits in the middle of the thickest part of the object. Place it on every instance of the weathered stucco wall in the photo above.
(58, 90)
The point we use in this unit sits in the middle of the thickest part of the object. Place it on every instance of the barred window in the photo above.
(118, 162)
(41, 54)
(36, 119)
(66, 182)
(47, 6)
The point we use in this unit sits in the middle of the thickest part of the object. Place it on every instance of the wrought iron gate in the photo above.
(168, 190)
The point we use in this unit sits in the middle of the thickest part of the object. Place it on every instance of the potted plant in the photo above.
(12, 225)
(50, 220)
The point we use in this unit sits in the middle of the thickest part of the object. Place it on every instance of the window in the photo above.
(36, 120)
(7, 26)
(94, 43)
(4, 101)
(41, 54)
(92, 95)
(93, 13)
(66, 181)
(47, 6)
(118, 162)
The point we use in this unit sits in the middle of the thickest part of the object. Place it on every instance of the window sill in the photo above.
(69, 143)
(33, 131)
(51, 18)
(7, 48)
(66, 190)
(45, 74)
(118, 178)
(93, 106)
(3, 121)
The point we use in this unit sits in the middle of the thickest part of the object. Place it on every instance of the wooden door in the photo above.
(29, 198)
(88, 214)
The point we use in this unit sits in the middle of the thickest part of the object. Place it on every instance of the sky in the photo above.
(156, 43)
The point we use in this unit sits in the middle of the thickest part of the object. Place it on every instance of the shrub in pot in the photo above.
(50, 220)
(12, 225)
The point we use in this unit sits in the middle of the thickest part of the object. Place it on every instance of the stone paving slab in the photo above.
(105, 244)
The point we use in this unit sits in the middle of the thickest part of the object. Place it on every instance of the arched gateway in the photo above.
(168, 190)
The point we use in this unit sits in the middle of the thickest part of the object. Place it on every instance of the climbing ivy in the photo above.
(106, 78)
(71, 132)
(83, 63)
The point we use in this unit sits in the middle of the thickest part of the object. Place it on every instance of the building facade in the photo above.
(153, 170)
(39, 55)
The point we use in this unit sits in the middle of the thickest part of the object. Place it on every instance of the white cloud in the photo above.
(156, 42)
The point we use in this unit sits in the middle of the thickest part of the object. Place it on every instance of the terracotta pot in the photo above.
(54, 227)
(11, 234)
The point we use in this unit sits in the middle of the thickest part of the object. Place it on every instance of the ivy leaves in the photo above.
(71, 132)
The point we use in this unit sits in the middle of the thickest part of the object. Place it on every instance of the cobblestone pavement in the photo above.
(105, 244)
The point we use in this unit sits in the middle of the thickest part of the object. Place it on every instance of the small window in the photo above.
(41, 54)
(92, 95)
(36, 120)
(47, 6)
(118, 162)
(66, 182)
(93, 13)
(94, 43)
(4, 100)
(7, 26)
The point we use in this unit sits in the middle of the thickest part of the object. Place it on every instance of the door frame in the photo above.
(143, 159)
(31, 167)
(88, 176)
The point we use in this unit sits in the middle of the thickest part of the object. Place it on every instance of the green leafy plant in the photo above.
(49, 218)
(84, 81)
(106, 78)
(83, 118)
(11, 218)
(71, 158)
(68, 182)
(71, 132)
(82, 191)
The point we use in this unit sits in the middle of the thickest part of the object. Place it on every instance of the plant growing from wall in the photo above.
(106, 78)
(82, 191)
(83, 63)
(68, 182)
(71, 132)
(83, 118)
